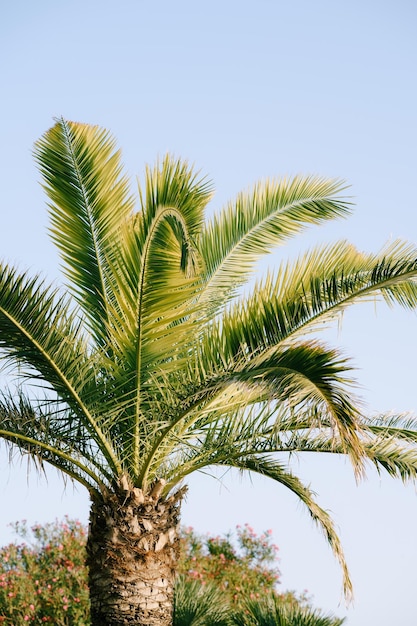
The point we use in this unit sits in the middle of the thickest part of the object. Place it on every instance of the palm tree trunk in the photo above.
(132, 554)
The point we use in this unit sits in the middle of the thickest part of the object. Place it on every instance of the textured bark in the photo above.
(132, 549)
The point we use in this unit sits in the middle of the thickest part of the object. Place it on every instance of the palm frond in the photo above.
(174, 183)
(402, 426)
(163, 279)
(40, 333)
(298, 374)
(272, 611)
(199, 605)
(90, 202)
(300, 378)
(258, 221)
(391, 445)
(304, 296)
(389, 450)
(271, 468)
(311, 375)
(46, 432)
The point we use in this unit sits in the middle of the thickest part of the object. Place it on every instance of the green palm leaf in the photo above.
(271, 468)
(307, 375)
(287, 306)
(257, 222)
(271, 611)
(199, 605)
(39, 333)
(90, 202)
(52, 436)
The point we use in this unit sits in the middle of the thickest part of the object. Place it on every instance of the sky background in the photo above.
(244, 90)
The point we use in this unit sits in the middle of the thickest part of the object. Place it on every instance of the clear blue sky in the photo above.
(244, 90)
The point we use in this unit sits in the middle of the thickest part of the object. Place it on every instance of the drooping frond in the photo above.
(271, 468)
(90, 203)
(39, 333)
(385, 446)
(310, 375)
(258, 221)
(303, 377)
(47, 431)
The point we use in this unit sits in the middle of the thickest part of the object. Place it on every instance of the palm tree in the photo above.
(200, 605)
(206, 605)
(270, 611)
(154, 365)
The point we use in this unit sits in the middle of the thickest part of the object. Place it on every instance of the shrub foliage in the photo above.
(43, 579)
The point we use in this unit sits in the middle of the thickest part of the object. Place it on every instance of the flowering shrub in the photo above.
(242, 568)
(44, 579)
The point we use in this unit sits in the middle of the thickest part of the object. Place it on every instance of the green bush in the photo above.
(241, 566)
(44, 578)
(223, 580)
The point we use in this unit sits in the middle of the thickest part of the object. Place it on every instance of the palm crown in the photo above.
(154, 365)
